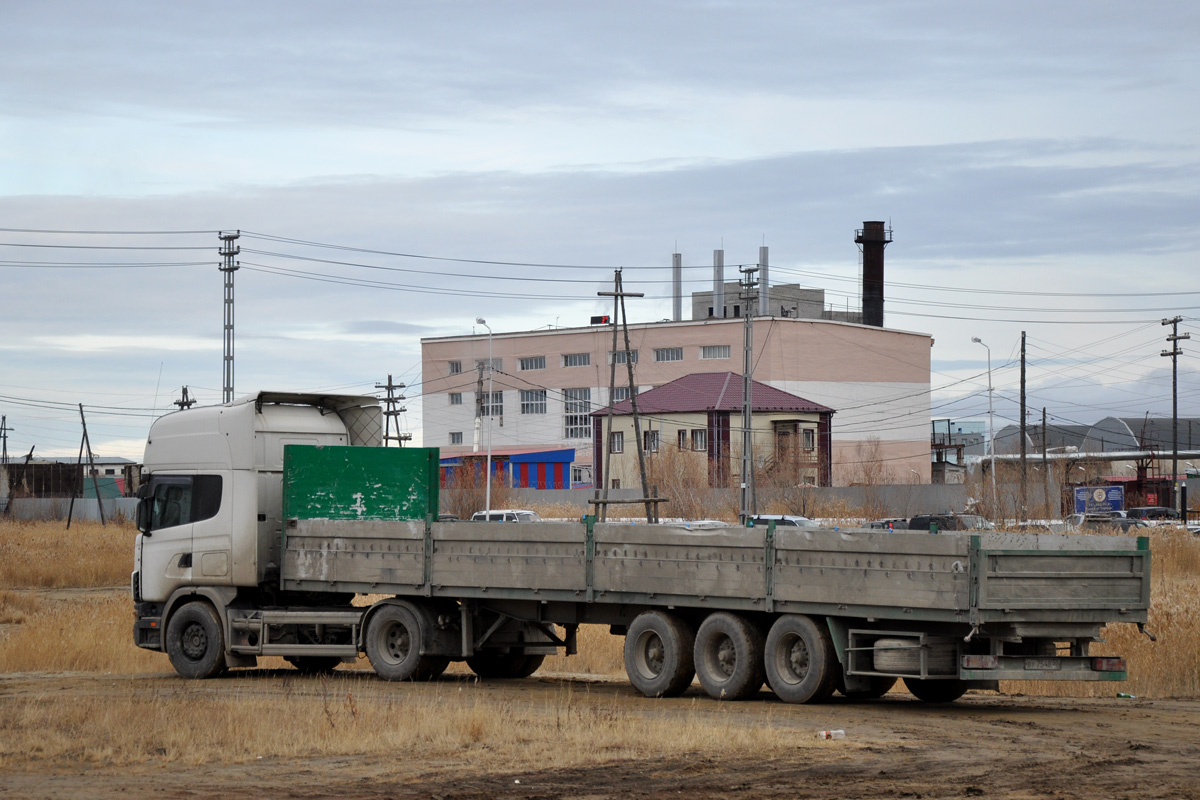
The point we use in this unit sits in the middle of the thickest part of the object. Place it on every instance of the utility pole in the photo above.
(391, 413)
(4, 430)
(747, 296)
(1046, 469)
(605, 476)
(1022, 513)
(85, 442)
(229, 266)
(620, 294)
(1174, 353)
(185, 400)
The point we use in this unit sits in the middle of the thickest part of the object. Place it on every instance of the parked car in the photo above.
(447, 518)
(782, 520)
(505, 515)
(1104, 522)
(1155, 515)
(950, 522)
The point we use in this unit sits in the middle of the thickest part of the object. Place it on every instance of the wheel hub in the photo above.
(798, 658)
(726, 656)
(397, 642)
(194, 641)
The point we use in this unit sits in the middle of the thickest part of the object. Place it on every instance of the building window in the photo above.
(668, 354)
(616, 483)
(493, 407)
(737, 311)
(577, 404)
(577, 359)
(700, 439)
(533, 401)
(576, 474)
(616, 442)
(683, 439)
(455, 367)
(455, 437)
(650, 441)
(711, 351)
(497, 364)
(533, 362)
(619, 356)
(809, 439)
(620, 393)
(456, 398)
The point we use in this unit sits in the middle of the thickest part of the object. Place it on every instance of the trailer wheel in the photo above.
(945, 691)
(314, 665)
(393, 644)
(196, 641)
(729, 657)
(801, 664)
(504, 665)
(658, 654)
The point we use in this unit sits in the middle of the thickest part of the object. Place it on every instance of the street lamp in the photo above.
(487, 474)
(991, 419)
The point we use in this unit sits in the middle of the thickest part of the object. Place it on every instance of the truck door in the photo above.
(167, 541)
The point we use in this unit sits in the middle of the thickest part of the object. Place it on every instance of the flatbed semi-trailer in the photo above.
(808, 611)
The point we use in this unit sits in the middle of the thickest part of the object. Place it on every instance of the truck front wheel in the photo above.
(393, 644)
(196, 641)
(802, 666)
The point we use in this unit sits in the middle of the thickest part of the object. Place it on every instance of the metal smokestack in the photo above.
(677, 287)
(873, 237)
(764, 283)
(719, 284)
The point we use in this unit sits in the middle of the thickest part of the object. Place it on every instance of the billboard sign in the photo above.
(1099, 499)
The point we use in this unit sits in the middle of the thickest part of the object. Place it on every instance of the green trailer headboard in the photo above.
(378, 483)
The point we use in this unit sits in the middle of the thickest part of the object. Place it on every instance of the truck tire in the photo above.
(393, 645)
(934, 691)
(729, 657)
(314, 665)
(504, 665)
(880, 685)
(196, 641)
(659, 654)
(801, 664)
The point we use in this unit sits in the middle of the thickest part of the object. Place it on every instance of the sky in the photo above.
(398, 169)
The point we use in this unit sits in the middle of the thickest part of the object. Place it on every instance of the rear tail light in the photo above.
(1108, 664)
(980, 662)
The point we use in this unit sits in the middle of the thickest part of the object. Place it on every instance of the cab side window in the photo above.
(183, 499)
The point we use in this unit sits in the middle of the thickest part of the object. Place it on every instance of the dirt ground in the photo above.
(985, 745)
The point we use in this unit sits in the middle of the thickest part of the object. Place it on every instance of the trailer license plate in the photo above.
(1042, 663)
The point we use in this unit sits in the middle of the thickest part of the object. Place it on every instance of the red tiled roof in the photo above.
(713, 391)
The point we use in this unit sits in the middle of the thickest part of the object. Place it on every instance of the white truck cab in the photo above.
(211, 499)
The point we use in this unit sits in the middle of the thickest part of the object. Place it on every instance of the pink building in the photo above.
(547, 382)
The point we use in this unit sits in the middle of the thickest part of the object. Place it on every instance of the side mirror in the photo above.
(145, 509)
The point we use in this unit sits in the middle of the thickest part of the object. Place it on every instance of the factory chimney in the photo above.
(873, 237)
(677, 287)
(764, 282)
(719, 284)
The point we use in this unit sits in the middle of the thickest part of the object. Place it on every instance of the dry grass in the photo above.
(347, 718)
(47, 555)
(91, 632)
(600, 653)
